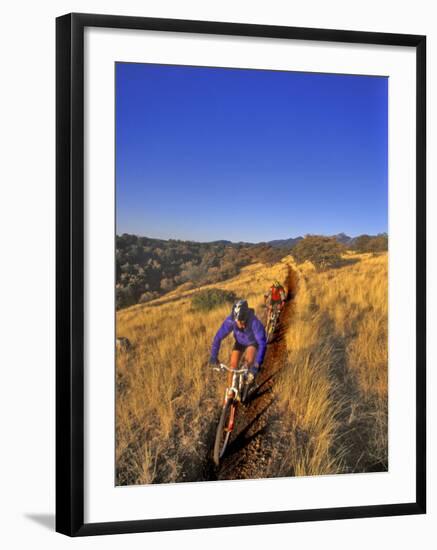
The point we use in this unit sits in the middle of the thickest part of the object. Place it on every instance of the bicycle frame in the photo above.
(275, 314)
(234, 390)
(272, 319)
(232, 397)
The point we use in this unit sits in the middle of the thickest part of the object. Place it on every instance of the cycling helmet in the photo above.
(276, 284)
(240, 311)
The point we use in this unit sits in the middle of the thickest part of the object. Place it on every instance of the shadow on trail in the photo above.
(242, 438)
(265, 382)
(241, 443)
(236, 447)
(257, 395)
(255, 438)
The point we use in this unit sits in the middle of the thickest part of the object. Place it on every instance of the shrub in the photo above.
(147, 296)
(367, 243)
(208, 299)
(321, 251)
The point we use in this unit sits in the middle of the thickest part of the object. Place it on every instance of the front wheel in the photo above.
(224, 429)
(270, 330)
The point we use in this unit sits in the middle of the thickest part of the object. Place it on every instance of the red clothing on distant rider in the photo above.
(276, 295)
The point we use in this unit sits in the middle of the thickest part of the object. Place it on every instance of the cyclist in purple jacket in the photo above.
(250, 337)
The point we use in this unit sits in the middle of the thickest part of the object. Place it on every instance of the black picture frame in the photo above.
(70, 273)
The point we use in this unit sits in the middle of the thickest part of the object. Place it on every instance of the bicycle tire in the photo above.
(222, 437)
(270, 331)
(245, 392)
(273, 326)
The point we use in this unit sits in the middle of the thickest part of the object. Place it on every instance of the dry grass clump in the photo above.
(333, 392)
(332, 389)
(167, 400)
(305, 389)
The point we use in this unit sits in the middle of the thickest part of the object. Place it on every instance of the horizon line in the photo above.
(250, 242)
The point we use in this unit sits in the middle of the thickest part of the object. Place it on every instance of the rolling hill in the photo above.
(321, 406)
(148, 268)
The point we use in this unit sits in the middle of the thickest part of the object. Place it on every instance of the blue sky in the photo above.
(211, 153)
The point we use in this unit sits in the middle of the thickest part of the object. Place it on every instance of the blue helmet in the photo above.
(240, 311)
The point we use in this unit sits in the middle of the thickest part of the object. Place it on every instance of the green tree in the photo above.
(368, 243)
(321, 251)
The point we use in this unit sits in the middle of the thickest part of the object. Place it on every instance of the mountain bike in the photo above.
(234, 394)
(272, 322)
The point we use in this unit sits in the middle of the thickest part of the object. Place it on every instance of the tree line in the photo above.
(325, 252)
(148, 268)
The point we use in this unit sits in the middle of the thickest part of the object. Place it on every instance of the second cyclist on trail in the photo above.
(249, 335)
(275, 296)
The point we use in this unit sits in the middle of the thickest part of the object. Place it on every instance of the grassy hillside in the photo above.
(333, 390)
(148, 268)
(331, 386)
(167, 399)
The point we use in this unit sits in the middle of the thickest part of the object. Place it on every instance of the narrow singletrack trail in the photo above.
(251, 452)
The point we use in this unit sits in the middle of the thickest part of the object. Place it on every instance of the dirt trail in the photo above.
(251, 452)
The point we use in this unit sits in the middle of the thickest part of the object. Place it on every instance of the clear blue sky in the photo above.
(211, 153)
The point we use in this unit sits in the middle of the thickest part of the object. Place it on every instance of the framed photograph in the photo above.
(240, 274)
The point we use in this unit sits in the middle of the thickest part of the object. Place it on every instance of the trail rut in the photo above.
(251, 451)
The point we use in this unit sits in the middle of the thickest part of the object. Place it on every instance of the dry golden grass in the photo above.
(333, 392)
(167, 399)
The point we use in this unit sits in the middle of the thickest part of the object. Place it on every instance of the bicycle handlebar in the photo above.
(229, 369)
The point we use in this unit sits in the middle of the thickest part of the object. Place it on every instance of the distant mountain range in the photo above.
(291, 242)
(285, 243)
(277, 243)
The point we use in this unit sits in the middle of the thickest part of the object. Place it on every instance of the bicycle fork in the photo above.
(230, 425)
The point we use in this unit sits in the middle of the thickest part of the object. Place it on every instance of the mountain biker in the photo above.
(250, 337)
(275, 296)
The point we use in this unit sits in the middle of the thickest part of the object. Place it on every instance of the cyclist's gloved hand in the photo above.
(213, 362)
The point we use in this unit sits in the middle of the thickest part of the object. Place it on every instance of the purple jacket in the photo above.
(253, 334)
